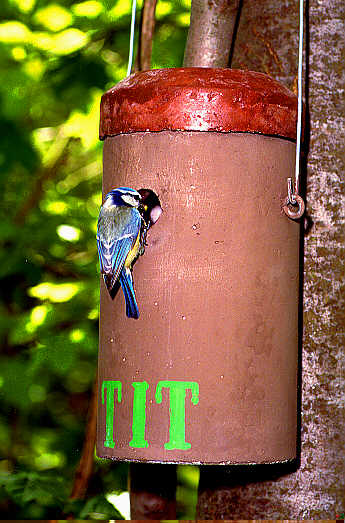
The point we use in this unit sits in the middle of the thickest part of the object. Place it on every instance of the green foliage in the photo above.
(57, 57)
(186, 492)
(33, 493)
(99, 508)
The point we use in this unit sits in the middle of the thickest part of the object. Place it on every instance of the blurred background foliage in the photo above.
(56, 59)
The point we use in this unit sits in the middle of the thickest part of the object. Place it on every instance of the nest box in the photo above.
(208, 373)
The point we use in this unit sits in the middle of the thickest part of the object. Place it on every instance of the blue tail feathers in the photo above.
(126, 281)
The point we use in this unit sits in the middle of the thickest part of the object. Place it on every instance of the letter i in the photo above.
(139, 415)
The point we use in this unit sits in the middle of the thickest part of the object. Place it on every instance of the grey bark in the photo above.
(210, 34)
(267, 42)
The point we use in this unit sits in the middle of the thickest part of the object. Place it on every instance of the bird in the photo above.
(121, 230)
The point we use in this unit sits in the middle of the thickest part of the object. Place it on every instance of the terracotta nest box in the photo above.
(208, 373)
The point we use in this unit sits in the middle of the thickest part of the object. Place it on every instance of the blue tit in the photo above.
(119, 242)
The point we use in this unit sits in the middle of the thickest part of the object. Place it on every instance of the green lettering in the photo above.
(139, 415)
(110, 385)
(177, 413)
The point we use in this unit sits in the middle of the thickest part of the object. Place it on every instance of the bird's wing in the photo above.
(114, 250)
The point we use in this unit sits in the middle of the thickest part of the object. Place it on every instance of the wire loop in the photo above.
(294, 210)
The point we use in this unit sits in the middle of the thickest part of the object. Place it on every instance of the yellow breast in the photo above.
(133, 253)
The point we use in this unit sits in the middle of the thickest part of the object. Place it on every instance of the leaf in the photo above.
(14, 32)
(15, 486)
(7, 229)
(27, 487)
(72, 77)
(9, 148)
(53, 17)
(89, 8)
(55, 292)
(74, 506)
(16, 381)
(99, 508)
(57, 354)
(20, 334)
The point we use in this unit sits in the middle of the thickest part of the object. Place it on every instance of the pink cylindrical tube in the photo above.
(208, 373)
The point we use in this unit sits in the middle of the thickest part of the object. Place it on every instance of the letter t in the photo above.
(177, 396)
(110, 385)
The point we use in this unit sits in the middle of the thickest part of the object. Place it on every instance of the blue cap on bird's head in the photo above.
(123, 196)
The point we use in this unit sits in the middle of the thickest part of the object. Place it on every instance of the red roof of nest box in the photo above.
(199, 99)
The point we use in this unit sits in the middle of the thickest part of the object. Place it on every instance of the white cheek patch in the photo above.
(130, 200)
(155, 213)
(108, 203)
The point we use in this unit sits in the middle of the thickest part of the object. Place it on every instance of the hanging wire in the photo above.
(293, 192)
(299, 94)
(131, 38)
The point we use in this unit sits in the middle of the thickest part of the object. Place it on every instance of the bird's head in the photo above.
(150, 206)
(122, 196)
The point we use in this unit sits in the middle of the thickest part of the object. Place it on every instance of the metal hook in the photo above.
(294, 205)
(291, 196)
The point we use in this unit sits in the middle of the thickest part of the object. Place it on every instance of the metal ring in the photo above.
(292, 211)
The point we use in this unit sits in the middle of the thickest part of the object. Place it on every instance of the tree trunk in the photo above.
(152, 491)
(210, 34)
(86, 463)
(147, 28)
(267, 42)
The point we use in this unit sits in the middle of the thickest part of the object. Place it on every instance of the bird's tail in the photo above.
(126, 280)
